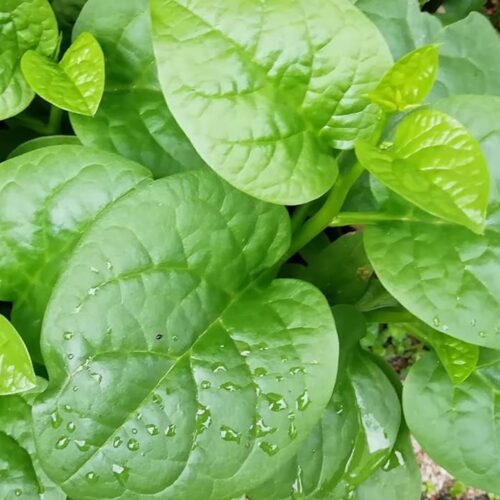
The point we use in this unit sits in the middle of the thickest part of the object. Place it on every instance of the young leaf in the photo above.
(265, 113)
(443, 274)
(151, 346)
(44, 142)
(24, 25)
(409, 81)
(16, 370)
(133, 118)
(457, 425)
(47, 199)
(469, 61)
(75, 84)
(437, 165)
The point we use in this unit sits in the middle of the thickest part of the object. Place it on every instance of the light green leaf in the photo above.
(43, 142)
(148, 348)
(133, 118)
(469, 58)
(16, 370)
(443, 274)
(404, 27)
(409, 81)
(75, 84)
(436, 164)
(36, 239)
(457, 425)
(355, 434)
(24, 25)
(265, 113)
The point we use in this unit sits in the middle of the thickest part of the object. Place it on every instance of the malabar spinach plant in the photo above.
(204, 208)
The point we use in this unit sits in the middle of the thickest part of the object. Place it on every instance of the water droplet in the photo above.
(458, 298)
(117, 442)
(71, 356)
(218, 367)
(109, 266)
(228, 434)
(260, 372)
(152, 429)
(222, 346)
(71, 427)
(67, 408)
(482, 334)
(445, 328)
(279, 378)
(94, 269)
(284, 359)
(229, 386)
(292, 430)
(261, 429)
(157, 399)
(134, 431)
(203, 419)
(18, 493)
(276, 401)
(268, 448)
(297, 486)
(55, 419)
(75, 388)
(109, 331)
(436, 321)
(133, 444)
(158, 336)
(82, 445)
(62, 443)
(206, 384)
(175, 338)
(97, 377)
(473, 322)
(68, 335)
(262, 346)
(138, 415)
(92, 291)
(245, 353)
(170, 431)
(296, 370)
(91, 477)
(303, 401)
(120, 472)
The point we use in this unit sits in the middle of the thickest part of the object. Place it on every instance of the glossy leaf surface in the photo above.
(439, 413)
(24, 25)
(75, 84)
(409, 81)
(443, 274)
(47, 199)
(44, 142)
(16, 369)
(133, 118)
(147, 349)
(262, 112)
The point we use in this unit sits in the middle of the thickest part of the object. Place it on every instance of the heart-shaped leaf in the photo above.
(265, 113)
(409, 81)
(133, 118)
(24, 25)
(47, 199)
(147, 348)
(16, 370)
(457, 425)
(75, 84)
(436, 164)
(444, 274)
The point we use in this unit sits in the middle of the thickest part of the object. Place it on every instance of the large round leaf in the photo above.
(444, 274)
(133, 118)
(24, 25)
(457, 425)
(167, 346)
(265, 90)
(47, 199)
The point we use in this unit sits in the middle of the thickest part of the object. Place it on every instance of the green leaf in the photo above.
(67, 12)
(445, 275)
(436, 164)
(355, 434)
(458, 358)
(16, 370)
(133, 118)
(469, 58)
(47, 199)
(451, 11)
(409, 81)
(148, 348)
(457, 425)
(75, 84)
(24, 25)
(265, 113)
(43, 142)
(404, 27)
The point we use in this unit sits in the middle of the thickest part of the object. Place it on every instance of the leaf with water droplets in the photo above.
(183, 411)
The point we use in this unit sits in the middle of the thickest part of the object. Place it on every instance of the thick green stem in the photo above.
(389, 315)
(51, 128)
(299, 216)
(364, 218)
(333, 204)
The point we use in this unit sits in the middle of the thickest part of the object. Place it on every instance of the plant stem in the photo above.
(299, 216)
(361, 218)
(389, 315)
(52, 127)
(333, 204)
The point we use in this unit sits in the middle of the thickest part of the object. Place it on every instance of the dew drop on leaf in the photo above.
(82, 445)
(71, 356)
(260, 372)
(228, 434)
(91, 477)
(55, 419)
(436, 321)
(268, 448)
(297, 486)
(157, 399)
(134, 430)
(117, 442)
(203, 419)
(218, 367)
(276, 401)
(152, 430)
(67, 335)
(133, 444)
(292, 430)
(120, 472)
(62, 443)
(18, 493)
(261, 429)
(170, 431)
(482, 334)
(206, 384)
(303, 401)
(296, 370)
(92, 291)
(229, 386)
(71, 427)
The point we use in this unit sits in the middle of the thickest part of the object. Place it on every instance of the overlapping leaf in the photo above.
(133, 119)
(265, 113)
